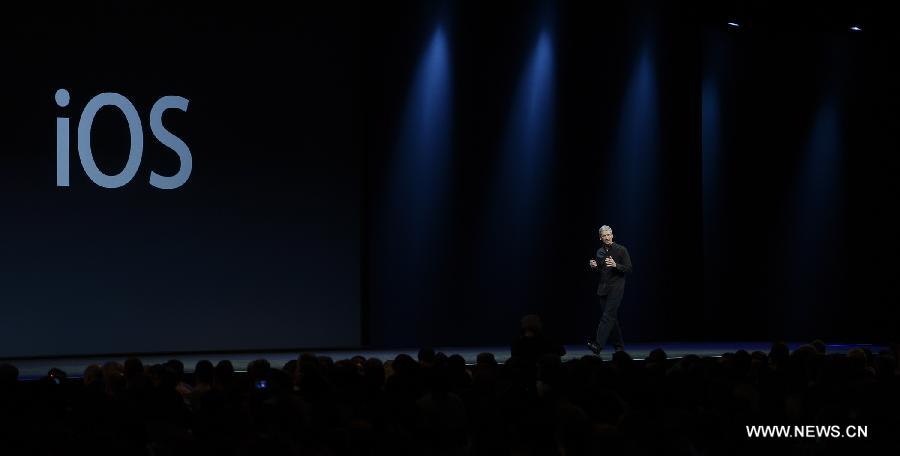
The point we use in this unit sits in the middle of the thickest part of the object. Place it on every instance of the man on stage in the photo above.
(612, 262)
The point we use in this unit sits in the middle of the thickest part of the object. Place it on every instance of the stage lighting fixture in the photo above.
(734, 25)
(855, 28)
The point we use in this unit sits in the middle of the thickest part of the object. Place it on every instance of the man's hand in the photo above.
(610, 262)
(593, 264)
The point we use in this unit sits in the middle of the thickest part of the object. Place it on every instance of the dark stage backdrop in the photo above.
(425, 173)
(800, 116)
(504, 248)
(258, 248)
(786, 233)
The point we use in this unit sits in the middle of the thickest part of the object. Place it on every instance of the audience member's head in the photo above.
(742, 361)
(258, 370)
(175, 368)
(456, 363)
(223, 375)
(306, 358)
(759, 360)
(203, 372)
(819, 345)
(56, 375)
(133, 368)
(290, 367)
(325, 362)
(440, 360)
(622, 361)
(374, 374)
(403, 364)
(779, 354)
(279, 381)
(486, 358)
(657, 357)
(92, 374)
(9, 375)
(531, 325)
(358, 360)
(858, 360)
(426, 356)
(113, 377)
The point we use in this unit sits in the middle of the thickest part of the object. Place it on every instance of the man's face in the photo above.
(606, 237)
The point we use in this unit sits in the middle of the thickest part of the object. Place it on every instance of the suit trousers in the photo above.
(609, 329)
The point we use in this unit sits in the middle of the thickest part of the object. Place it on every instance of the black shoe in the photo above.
(594, 347)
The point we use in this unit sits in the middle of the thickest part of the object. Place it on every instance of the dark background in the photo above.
(258, 250)
(282, 236)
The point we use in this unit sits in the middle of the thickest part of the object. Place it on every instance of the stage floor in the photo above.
(31, 369)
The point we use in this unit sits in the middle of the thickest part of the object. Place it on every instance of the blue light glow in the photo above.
(520, 193)
(529, 139)
(410, 232)
(421, 162)
(631, 178)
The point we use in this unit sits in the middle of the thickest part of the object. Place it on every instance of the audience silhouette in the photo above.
(535, 403)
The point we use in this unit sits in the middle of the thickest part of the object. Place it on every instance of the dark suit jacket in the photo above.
(613, 279)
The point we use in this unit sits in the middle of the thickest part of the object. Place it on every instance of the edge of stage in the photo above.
(32, 369)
